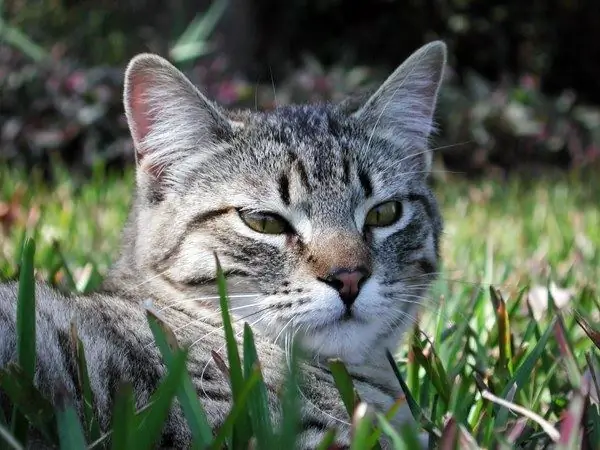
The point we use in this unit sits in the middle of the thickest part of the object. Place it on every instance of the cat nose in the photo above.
(347, 282)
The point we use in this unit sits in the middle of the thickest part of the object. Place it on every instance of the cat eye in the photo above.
(265, 223)
(384, 214)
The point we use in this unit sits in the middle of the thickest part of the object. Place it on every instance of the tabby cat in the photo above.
(321, 217)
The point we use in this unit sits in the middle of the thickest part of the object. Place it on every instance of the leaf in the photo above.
(522, 374)
(593, 419)
(258, 402)
(343, 382)
(236, 412)
(69, 278)
(69, 428)
(504, 334)
(328, 440)
(570, 426)
(29, 401)
(566, 351)
(592, 333)
(454, 435)
(242, 432)
(290, 405)
(435, 370)
(123, 418)
(414, 407)
(188, 399)
(193, 41)
(14, 37)
(593, 379)
(539, 298)
(26, 337)
(397, 442)
(361, 427)
(152, 422)
(547, 427)
(92, 426)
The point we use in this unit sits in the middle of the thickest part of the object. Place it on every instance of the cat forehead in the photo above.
(308, 125)
(312, 150)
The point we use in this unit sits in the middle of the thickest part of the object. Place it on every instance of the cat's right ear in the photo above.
(169, 119)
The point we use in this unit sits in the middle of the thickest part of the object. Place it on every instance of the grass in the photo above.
(486, 366)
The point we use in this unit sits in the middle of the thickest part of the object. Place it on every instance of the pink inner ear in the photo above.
(140, 110)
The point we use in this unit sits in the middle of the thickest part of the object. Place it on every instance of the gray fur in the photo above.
(321, 168)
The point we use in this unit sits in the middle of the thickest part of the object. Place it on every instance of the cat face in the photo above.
(320, 215)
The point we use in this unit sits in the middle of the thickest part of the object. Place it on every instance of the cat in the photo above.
(321, 217)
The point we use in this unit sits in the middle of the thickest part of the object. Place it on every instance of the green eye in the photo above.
(264, 222)
(384, 214)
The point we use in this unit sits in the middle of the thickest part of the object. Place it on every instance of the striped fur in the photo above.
(200, 169)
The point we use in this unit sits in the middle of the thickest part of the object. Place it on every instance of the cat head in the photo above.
(320, 215)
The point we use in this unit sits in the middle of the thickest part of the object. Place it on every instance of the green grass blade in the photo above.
(92, 426)
(327, 441)
(290, 404)
(362, 424)
(36, 410)
(397, 442)
(193, 41)
(69, 428)
(412, 379)
(26, 351)
(566, 350)
(3, 420)
(522, 374)
(236, 412)
(26, 312)
(242, 430)
(343, 382)
(16, 38)
(151, 422)
(258, 403)
(69, 278)
(593, 419)
(434, 369)
(414, 407)
(123, 418)
(186, 393)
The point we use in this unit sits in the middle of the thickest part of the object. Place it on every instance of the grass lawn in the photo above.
(519, 236)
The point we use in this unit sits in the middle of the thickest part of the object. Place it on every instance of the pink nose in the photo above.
(347, 282)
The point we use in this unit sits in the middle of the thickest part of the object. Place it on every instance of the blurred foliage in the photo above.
(512, 99)
(66, 110)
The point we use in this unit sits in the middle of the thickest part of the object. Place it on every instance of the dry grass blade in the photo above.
(546, 426)
(591, 332)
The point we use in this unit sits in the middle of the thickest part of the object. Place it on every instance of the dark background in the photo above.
(521, 92)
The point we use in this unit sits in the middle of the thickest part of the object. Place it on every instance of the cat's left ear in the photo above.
(170, 121)
(401, 110)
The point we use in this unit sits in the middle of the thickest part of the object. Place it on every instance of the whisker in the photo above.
(133, 288)
(191, 322)
(456, 144)
(221, 327)
(284, 327)
(212, 297)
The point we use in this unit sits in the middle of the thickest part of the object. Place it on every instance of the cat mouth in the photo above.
(347, 316)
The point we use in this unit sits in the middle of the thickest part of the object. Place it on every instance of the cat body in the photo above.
(322, 220)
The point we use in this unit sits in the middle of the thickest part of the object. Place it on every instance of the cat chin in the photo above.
(350, 340)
